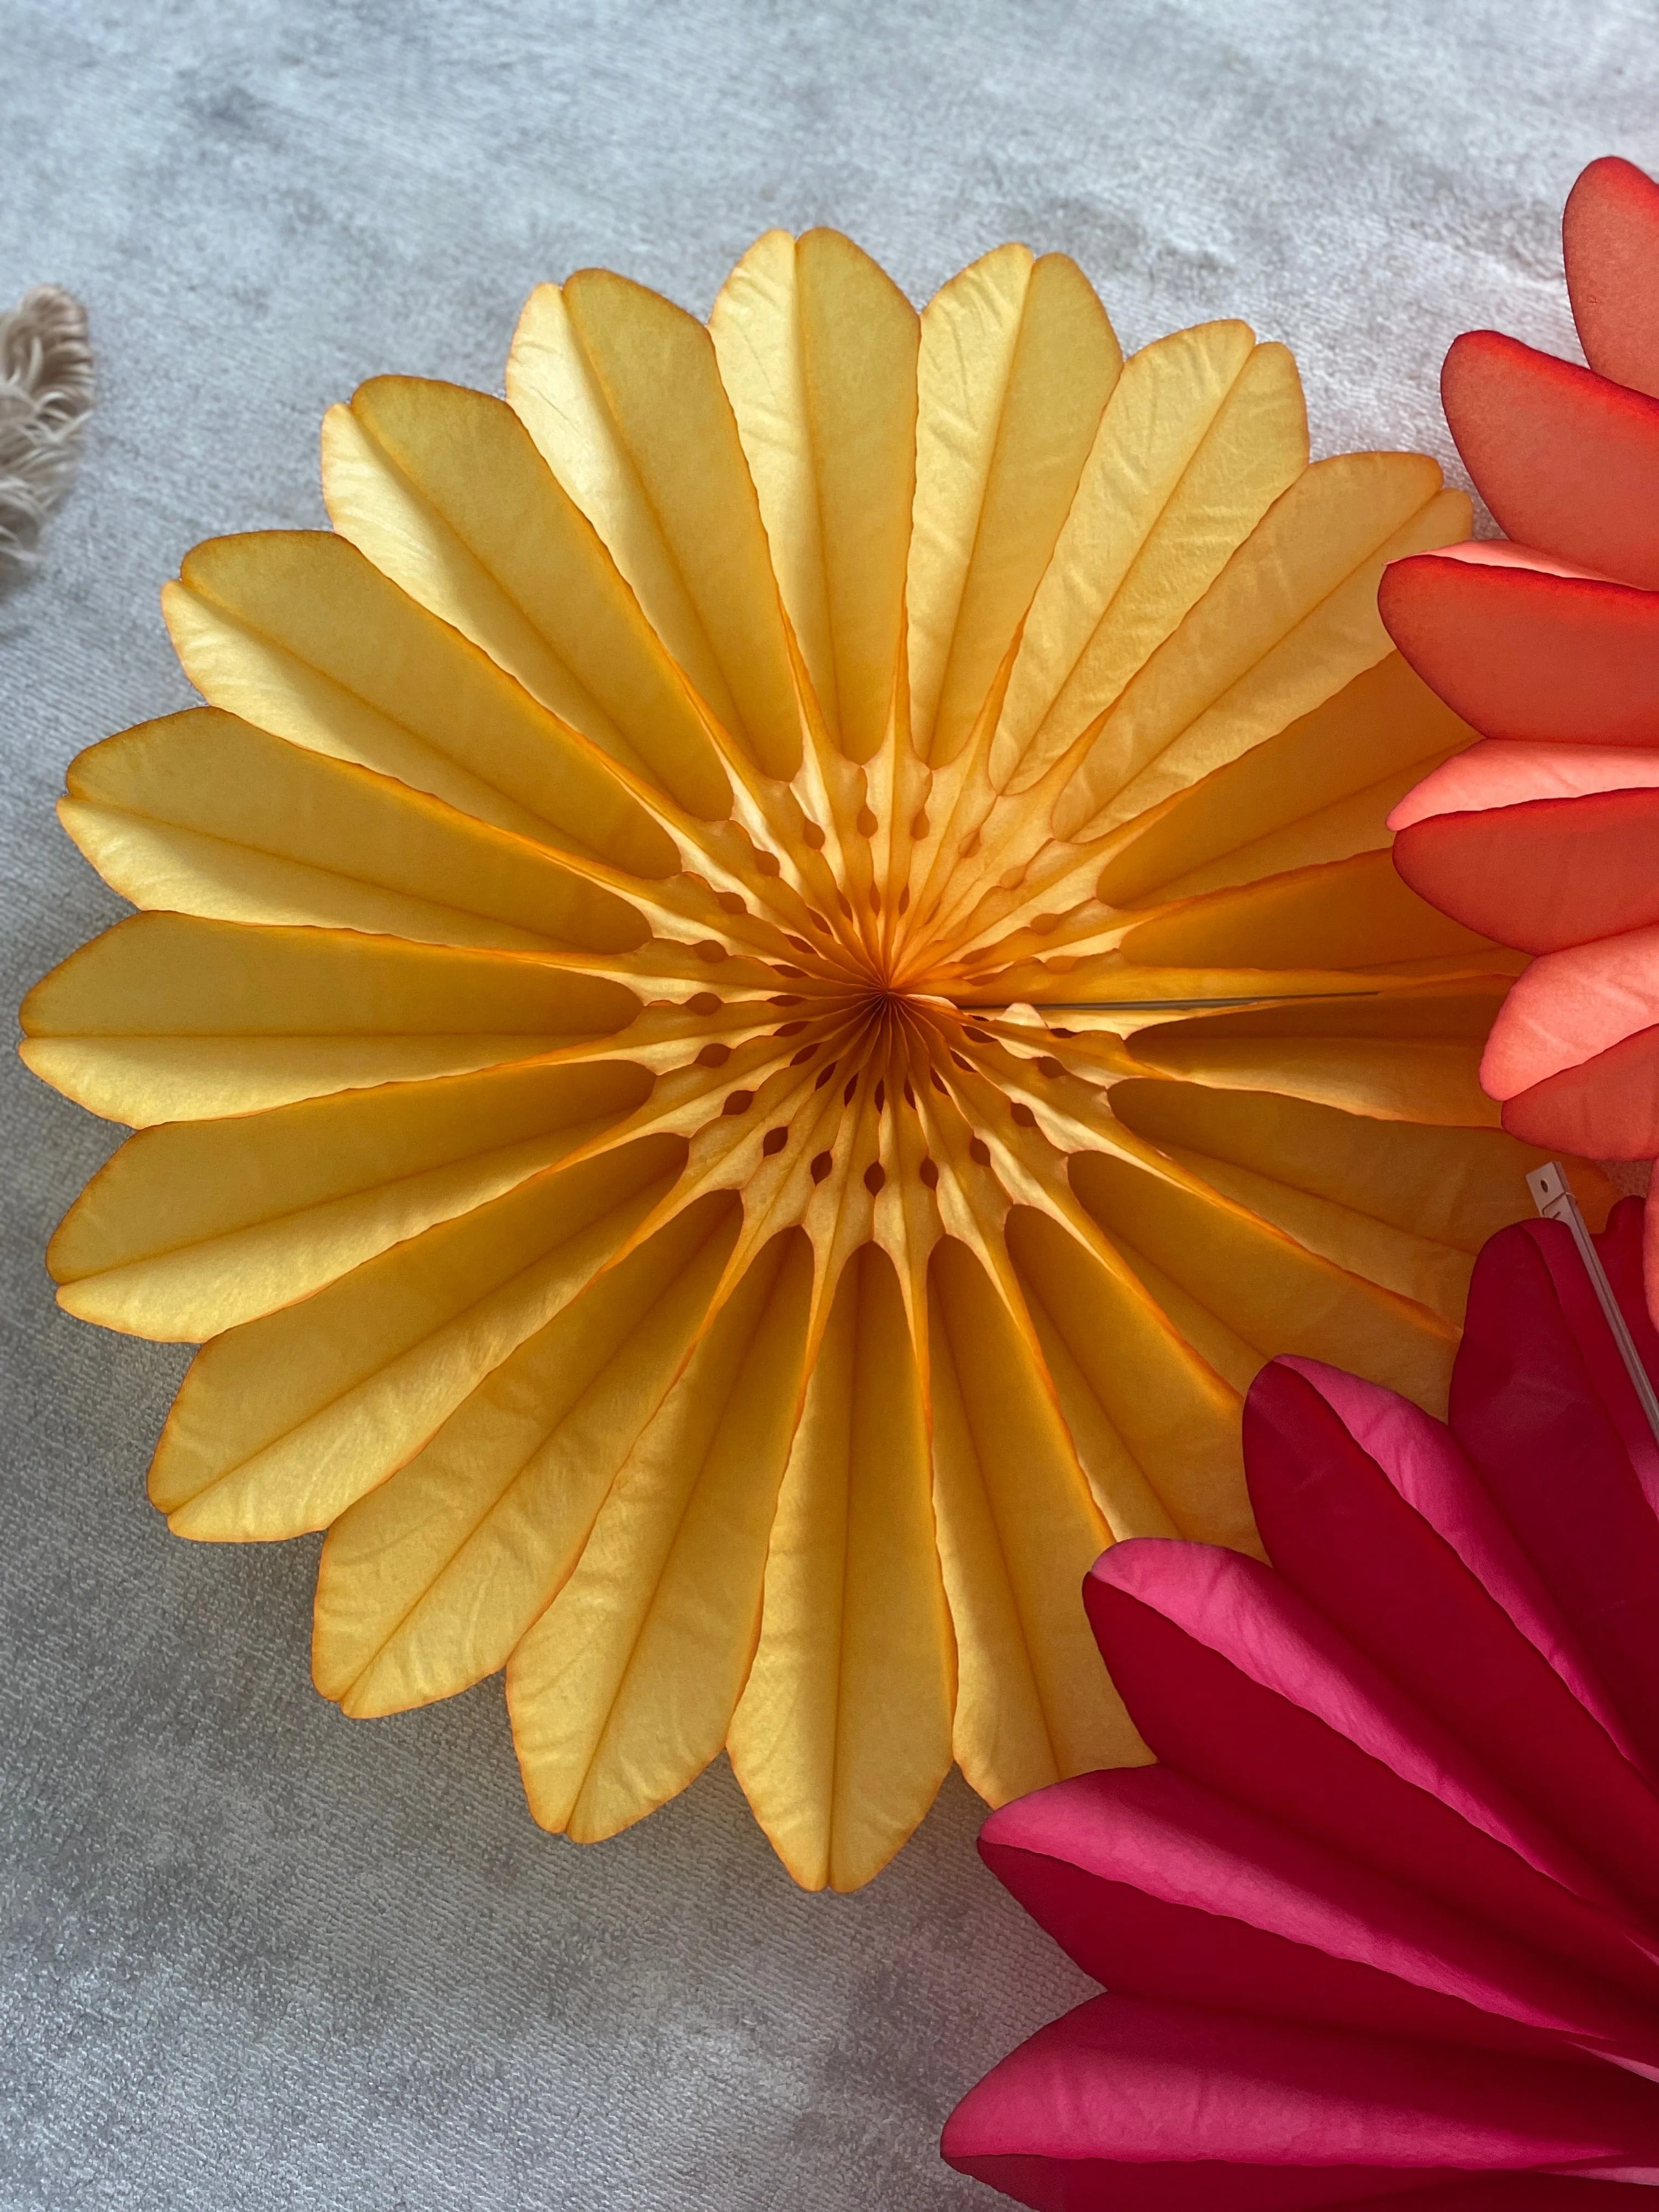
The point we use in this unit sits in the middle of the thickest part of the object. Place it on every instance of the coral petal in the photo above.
(1523, 654)
(1565, 460)
(1606, 1106)
(1545, 874)
(1497, 772)
(1569, 1005)
(1610, 232)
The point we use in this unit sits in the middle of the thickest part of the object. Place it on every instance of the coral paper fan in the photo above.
(769, 978)
(1384, 1921)
(1542, 835)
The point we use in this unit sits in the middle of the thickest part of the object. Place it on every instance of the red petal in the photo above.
(1541, 1402)
(1565, 460)
(1427, 1465)
(1160, 1888)
(1166, 2108)
(1234, 1680)
(1544, 875)
(1521, 654)
(1611, 236)
(1341, 1533)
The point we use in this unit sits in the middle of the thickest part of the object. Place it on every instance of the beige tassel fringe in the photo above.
(45, 395)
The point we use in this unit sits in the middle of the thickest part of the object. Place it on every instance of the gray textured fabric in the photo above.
(256, 1955)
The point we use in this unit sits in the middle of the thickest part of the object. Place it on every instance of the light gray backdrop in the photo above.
(256, 1955)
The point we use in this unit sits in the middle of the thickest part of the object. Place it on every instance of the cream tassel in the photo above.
(45, 394)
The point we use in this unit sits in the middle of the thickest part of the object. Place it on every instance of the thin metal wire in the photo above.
(1556, 1202)
(1147, 1005)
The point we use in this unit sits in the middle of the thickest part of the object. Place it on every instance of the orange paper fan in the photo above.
(766, 985)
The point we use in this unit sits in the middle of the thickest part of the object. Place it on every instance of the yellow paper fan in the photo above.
(764, 986)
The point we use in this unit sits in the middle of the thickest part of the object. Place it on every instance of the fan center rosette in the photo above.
(767, 981)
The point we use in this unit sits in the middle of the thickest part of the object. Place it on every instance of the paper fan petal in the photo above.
(1342, 1537)
(1569, 1004)
(842, 1735)
(195, 1226)
(429, 1583)
(1016, 365)
(621, 392)
(443, 490)
(1291, 620)
(1610, 232)
(1525, 655)
(623, 1689)
(1546, 1411)
(1200, 435)
(1162, 2108)
(284, 1421)
(296, 633)
(818, 351)
(1564, 459)
(207, 815)
(1321, 790)
(1542, 875)
(1013, 1552)
(165, 1017)
(1160, 1888)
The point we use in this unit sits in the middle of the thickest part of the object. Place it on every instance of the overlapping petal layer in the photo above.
(1383, 1923)
(1542, 835)
(764, 985)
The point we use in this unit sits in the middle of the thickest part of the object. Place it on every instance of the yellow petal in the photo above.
(1289, 622)
(169, 1018)
(1155, 1428)
(1402, 1205)
(207, 815)
(1318, 791)
(1412, 1055)
(842, 1735)
(443, 490)
(755, 325)
(620, 390)
(1202, 433)
(195, 1226)
(623, 1689)
(817, 352)
(295, 632)
(1267, 1292)
(1356, 913)
(284, 1422)
(429, 1582)
(1018, 362)
(1017, 1531)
